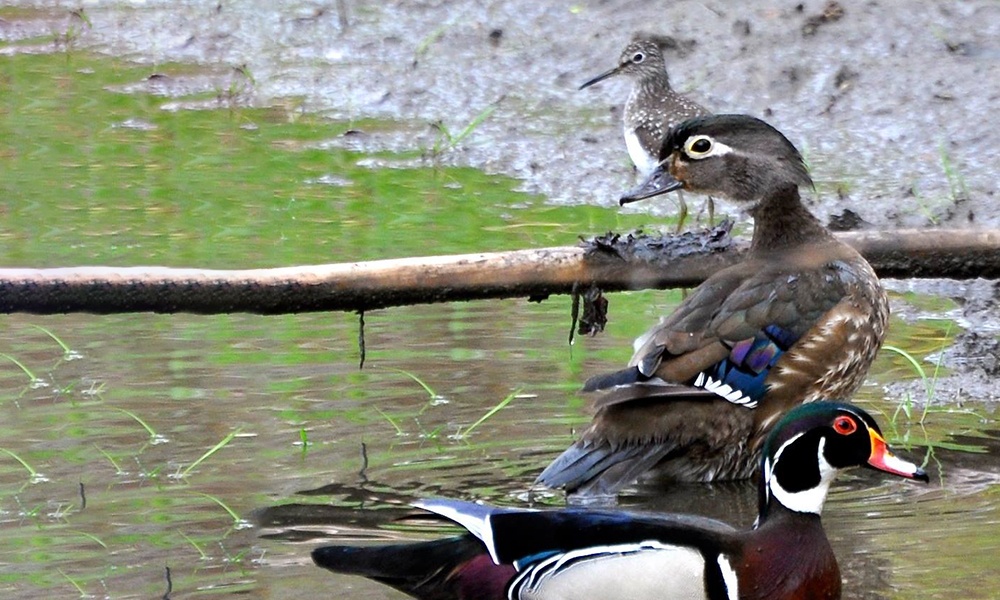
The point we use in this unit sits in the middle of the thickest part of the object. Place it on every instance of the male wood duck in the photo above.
(800, 320)
(582, 554)
(653, 107)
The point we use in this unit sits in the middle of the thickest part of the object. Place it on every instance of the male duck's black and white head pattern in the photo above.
(815, 441)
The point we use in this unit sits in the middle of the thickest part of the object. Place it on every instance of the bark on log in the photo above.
(956, 254)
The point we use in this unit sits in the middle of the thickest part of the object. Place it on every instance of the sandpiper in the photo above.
(653, 107)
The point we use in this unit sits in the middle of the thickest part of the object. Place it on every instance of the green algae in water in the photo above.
(98, 176)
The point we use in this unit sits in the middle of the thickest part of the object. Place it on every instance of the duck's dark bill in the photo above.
(884, 460)
(658, 182)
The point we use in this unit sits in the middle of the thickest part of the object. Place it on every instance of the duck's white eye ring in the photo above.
(703, 146)
(699, 145)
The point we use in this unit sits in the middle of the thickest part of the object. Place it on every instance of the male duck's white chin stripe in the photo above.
(812, 499)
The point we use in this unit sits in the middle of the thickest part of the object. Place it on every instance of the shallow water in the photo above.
(115, 417)
(376, 440)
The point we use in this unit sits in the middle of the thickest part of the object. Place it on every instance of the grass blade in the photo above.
(68, 352)
(31, 471)
(116, 464)
(430, 392)
(83, 592)
(222, 444)
(913, 362)
(473, 124)
(500, 406)
(152, 432)
(395, 425)
(91, 537)
(196, 545)
(26, 370)
(237, 520)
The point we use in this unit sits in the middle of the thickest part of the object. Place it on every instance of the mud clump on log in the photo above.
(659, 249)
(655, 251)
(595, 312)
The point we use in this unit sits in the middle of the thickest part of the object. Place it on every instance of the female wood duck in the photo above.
(800, 320)
(584, 554)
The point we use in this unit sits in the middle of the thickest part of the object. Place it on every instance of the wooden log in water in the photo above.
(610, 263)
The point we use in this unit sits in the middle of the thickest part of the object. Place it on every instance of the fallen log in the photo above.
(611, 263)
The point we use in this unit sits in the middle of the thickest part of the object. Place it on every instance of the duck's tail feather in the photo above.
(606, 381)
(457, 568)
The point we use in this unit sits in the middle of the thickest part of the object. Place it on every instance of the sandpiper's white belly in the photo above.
(640, 158)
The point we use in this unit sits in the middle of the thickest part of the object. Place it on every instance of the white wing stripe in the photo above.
(724, 391)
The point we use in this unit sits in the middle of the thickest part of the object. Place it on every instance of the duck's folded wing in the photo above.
(597, 468)
(523, 537)
(640, 427)
(729, 333)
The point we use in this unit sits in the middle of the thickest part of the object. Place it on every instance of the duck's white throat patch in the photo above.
(807, 501)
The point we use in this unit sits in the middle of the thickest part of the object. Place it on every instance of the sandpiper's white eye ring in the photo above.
(638, 57)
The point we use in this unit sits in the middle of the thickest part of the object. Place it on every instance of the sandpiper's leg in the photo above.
(682, 211)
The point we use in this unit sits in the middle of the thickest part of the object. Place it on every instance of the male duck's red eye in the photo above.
(845, 425)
